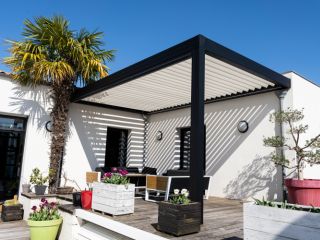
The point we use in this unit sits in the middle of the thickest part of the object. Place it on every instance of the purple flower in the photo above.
(34, 208)
(107, 175)
(43, 199)
(123, 172)
(114, 169)
(52, 204)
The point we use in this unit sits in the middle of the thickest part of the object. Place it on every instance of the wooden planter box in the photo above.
(113, 199)
(179, 219)
(64, 190)
(12, 213)
(266, 223)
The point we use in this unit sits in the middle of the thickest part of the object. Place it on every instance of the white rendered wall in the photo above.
(239, 163)
(85, 148)
(33, 104)
(306, 95)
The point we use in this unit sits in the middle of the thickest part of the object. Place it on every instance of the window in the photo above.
(116, 147)
(185, 135)
(185, 146)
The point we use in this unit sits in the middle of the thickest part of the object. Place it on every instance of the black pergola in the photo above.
(160, 83)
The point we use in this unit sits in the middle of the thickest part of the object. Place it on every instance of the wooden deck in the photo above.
(222, 219)
(17, 230)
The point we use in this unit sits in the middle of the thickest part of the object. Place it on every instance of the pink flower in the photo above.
(114, 169)
(34, 208)
(52, 204)
(123, 172)
(43, 199)
(107, 175)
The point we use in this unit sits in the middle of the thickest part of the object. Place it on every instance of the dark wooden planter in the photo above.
(179, 219)
(12, 213)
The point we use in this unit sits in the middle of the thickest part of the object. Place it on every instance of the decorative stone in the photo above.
(113, 199)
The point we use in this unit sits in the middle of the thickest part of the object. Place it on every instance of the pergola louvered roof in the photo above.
(163, 81)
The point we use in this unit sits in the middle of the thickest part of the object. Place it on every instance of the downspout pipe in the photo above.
(281, 95)
(145, 119)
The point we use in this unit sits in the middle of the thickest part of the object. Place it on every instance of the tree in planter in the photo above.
(307, 152)
(53, 54)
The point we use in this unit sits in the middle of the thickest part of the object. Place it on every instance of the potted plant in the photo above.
(26, 187)
(66, 189)
(179, 216)
(39, 181)
(114, 195)
(300, 191)
(44, 221)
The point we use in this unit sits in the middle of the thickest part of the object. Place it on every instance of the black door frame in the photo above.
(22, 141)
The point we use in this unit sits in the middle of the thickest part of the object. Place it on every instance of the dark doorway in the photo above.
(12, 134)
(116, 147)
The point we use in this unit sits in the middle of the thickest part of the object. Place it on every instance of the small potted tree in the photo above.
(65, 189)
(114, 195)
(44, 221)
(300, 191)
(39, 181)
(179, 216)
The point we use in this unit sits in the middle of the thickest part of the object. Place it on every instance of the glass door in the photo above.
(12, 134)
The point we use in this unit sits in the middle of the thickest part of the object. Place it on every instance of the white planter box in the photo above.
(268, 223)
(112, 198)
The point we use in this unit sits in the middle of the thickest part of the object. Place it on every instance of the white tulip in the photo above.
(186, 194)
(183, 191)
(176, 191)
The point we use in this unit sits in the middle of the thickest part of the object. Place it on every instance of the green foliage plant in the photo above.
(37, 178)
(307, 152)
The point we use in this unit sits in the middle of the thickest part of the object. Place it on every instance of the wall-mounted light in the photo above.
(49, 126)
(159, 135)
(243, 126)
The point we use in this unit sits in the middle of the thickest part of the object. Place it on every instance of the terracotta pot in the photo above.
(303, 192)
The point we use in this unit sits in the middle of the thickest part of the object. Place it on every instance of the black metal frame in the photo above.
(177, 54)
(195, 48)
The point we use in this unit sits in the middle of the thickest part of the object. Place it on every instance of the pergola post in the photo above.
(197, 158)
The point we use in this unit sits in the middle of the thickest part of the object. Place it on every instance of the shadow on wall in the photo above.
(222, 136)
(259, 175)
(91, 135)
(32, 102)
(91, 125)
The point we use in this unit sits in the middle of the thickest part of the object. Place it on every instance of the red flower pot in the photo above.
(303, 192)
(86, 199)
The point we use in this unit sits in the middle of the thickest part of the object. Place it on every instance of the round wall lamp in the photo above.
(243, 126)
(49, 126)
(159, 135)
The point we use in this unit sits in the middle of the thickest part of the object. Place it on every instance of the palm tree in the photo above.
(51, 53)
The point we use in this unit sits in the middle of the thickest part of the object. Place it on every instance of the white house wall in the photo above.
(306, 95)
(239, 163)
(33, 104)
(85, 149)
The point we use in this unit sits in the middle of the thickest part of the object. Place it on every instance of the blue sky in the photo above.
(282, 35)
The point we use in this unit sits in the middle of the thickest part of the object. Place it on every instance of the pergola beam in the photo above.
(197, 148)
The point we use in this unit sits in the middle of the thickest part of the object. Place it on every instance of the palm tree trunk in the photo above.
(61, 96)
